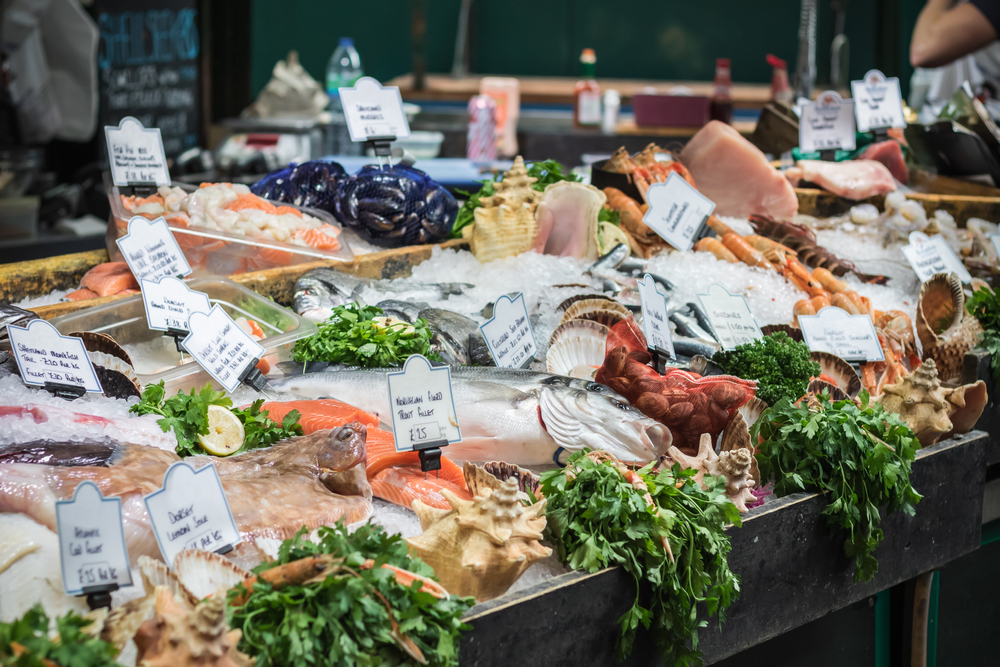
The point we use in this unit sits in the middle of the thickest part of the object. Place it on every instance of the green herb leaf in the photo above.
(72, 647)
(780, 365)
(985, 307)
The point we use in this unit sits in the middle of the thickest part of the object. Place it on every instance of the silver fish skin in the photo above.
(520, 417)
(408, 311)
(313, 300)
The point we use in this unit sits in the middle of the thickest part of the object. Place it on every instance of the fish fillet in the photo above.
(109, 278)
(853, 179)
(394, 476)
(735, 175)
(82, 294)
(890, 154)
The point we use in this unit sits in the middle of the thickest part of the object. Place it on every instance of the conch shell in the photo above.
(492, 475)
(480, 547)
(505, 223)
(946, 331)
(921, 402)
(734, 465)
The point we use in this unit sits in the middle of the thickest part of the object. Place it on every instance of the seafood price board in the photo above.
(220, 346)
(655, 323)
(423, 406)
(151, 251)
(834, 330)
(877, 102)
(508, 334)
(730, 317)
(136, 154)
(45, 356)
(169, 303)
(677, 212)
(931, 255)
(92, 542)
(190, 511)
(827, 124)
(372, 110)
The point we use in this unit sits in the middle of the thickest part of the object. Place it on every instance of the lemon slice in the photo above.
(609, 236)
(225, 432)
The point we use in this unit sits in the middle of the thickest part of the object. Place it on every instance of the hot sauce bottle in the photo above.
(587, 94)
(722, 92)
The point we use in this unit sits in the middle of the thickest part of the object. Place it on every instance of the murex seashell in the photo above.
(480, 547)
(576, 348)
(838, 370)
(505, 222)
(492, 474)
(734, 464)
(946, 331)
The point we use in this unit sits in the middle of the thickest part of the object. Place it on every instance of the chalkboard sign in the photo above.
(149, 62)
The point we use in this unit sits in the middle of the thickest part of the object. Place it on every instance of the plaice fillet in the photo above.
(735, 175)
(853, 179)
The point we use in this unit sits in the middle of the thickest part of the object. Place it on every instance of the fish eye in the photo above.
(621, 406)
(596, 387)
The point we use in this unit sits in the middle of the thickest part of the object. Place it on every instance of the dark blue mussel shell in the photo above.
(311, 184)
(395, 206)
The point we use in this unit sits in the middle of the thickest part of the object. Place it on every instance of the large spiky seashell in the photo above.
(968, 403)
(735, 467)
(921, 402)
(156, 574)
(945, 330)
(480, 547)
(203, 573)
(505, 222)
(582, 308)
(98, 342)
(839, 370)
(562, 307)
(178, 636)
(124, 621)
(492, 474)
(576, 349)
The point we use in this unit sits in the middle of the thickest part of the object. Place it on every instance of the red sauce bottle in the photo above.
(722, 92)
(587, 94)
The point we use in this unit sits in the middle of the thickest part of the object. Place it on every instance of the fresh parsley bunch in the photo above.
(547, 172)
(780, 365)
(26, 643)
(187, 416)
(598, 519)
(860, 455)
(351, 336)
(985, 307)
(343, 620)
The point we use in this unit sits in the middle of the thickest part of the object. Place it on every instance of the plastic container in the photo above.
(156, 357)
(214, 252)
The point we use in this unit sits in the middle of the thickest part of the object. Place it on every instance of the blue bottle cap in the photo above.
(346, 41)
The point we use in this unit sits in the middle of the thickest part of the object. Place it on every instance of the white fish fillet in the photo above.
(853, 179)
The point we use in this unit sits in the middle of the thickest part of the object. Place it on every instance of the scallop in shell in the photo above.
(564, 306)
(581, 309)
(793, 332)
(576, 348)
(118, 379)
(842, 373)
(203, 572)
(946, 331)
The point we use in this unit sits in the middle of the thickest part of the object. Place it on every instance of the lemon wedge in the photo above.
(225, 432)
(609, 236)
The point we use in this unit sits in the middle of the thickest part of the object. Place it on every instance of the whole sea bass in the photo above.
(520, 417)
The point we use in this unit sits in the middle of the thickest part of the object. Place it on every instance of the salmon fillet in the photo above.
(109, 278)
(394, 476)
(82, 294)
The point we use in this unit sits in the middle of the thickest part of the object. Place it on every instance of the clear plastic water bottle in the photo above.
(343, 70)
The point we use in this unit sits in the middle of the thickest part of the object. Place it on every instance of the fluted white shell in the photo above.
(155, 573)
(584, 307)
(577, 348)
(203, 573)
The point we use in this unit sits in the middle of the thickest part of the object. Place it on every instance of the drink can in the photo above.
(481, 143)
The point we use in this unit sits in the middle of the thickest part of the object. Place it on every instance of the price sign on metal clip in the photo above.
(373, 110)
(423, 406)
(135, 154)
(677, 212)
(221, 347)
(834, 330)
(46, 357)
(508, 334)
(169, 303)
(877, 102)
(730, 317)
(827, 124)
(92, 542)
(655, 322)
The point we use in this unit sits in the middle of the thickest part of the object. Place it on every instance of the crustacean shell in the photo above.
(564, 306)
(480, 547)
(203, 573)
(817, 386)
(492, 474)
(841, 372)
(946, 331)
(576, 348)
(581, 309)
(733, 464)
(505, 222)
(921, 402)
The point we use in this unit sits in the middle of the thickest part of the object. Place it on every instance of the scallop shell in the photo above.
(583, 307)
(98, 342)
(752, 410)
(577, 343)
(492, 474)
(118, 379)
(608, 318)
(562, 307)
(817, 386)
(793, 332)
(946, 331)
(156, 573)
(203, 573)
(847, 379)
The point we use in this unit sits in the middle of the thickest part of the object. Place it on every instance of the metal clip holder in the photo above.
(70, 392)
(382, 147)
(660, 357)
(99, 596)
(429, 454)
(252, 377)
(178, 335)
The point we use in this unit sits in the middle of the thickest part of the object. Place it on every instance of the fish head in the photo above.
(341, 460)
(576, 419)
(313, 300)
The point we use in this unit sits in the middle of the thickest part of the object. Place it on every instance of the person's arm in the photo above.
(945, 33)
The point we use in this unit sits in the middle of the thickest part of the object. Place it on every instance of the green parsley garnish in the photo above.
(780, 365)
(985, 307)
(28, 637)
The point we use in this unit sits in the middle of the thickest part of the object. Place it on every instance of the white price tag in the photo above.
(730, 316)
(834, 330)
(169, 303)
(92, 541)
(827, 124)
(135, 154)
(220, 346)
(45, 355)
(676, 211)
(151, 251)
(190, 511)
(372, 110)
(508, 334)
(655, 322)
(877, 101)
(933, 255)
(423, 407)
